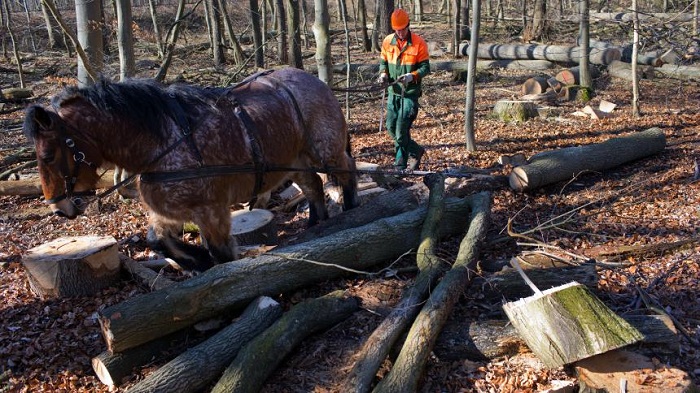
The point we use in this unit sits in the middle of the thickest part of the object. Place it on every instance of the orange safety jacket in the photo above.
(411, 57)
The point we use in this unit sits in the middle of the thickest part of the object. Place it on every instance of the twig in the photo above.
(654, 305)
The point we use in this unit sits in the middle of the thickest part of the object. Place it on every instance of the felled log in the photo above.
(144, 275)
(231, 285)
(564, 164)
(256, 226)
(16, 93)
(622, 70)
(568, 323)
(32, 187)
(629, 17)
(72, 266)
(534, 85)
(258, 359)
(199, 366)
(493, 339)
(572, 76)
(514, 110)
(408, 367)
(638, 373)
(651, 58)
(555, 53)
(377, 346)
(679, 71)
(384, 205)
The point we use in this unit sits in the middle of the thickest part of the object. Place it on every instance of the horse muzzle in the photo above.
(69, 208)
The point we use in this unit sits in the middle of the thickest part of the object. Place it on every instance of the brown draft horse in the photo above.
(197, 150)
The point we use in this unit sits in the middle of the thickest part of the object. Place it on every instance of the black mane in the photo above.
(144, 102)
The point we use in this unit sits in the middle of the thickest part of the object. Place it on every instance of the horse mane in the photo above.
(144, 102)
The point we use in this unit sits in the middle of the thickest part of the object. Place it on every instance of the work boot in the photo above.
(414, 162)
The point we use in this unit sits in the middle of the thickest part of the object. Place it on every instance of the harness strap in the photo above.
(184, 125)
(256, 148)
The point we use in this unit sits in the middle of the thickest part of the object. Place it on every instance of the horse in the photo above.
(198, 150)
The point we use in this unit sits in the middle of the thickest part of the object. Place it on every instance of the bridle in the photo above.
(69, 148)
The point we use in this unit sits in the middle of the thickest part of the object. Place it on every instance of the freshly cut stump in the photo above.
(568, 323)
(72, 266)
(255, 226)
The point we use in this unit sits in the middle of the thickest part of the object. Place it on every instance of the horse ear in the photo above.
(37, 120)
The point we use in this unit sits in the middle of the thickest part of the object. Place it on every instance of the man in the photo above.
(404, 63)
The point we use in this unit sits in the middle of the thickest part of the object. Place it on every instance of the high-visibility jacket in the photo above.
(411, 57)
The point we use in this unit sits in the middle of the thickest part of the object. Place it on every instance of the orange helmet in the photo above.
(399, 19)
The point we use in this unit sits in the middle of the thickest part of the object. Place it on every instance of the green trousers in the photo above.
(400, 114)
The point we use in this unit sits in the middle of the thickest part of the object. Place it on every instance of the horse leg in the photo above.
(215, 228)
(348, 182)
(312, 187)
(165, 235)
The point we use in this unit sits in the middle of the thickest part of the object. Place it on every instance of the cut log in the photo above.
(72, 266)
(198, 367)
(258, 359)
(408, 368)
(568, 323)
(534, 85)
(16, 93)
(32, 187)
(679, 72)
(518, 111)
(147, 277)
(629, 17)
(622, 70)
(255, 226)
(604, 373)
(572, 76)
(564, 164)
(231, 285)
(493, 339)
(555, 53)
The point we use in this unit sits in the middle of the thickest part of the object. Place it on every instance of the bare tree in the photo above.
(8, 25)
(88, 19)
(156, 29)
(234, 45)
(385, 9)
(362, 16)
(217, 47)
(323, 43)
(584, 63)
(295, 59)
(172, 36)
(282, 49)
(635, 50)
(471, 77)
(125, 40)
(257, 34)
(456, 5)
(29, 24)
(536, 28)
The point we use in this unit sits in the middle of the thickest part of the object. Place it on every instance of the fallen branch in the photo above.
(408, 367)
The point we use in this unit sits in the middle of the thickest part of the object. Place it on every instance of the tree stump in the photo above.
(568, 323)
(72, 266)
(255, 226)
(517, 111)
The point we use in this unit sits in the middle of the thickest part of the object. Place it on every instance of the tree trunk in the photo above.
(15, 49)
(201, 365)
(171, 39)
(362, 14)
(651, 17)
(584, 61)
(258, 359)
(295, 59)
(378, 345)
(538, 26)
(125, 40)
(408, 368)
(556, 53)
(230, 285)
(217, 46)
(386, 7)
(49, 27)
(534, 85)
(88, 18)
(234, 46)
(323, 42)
(156, 28)
(622, 70)
(456, 26)
(469, 132)
(257, 34)
(72, 266)
(565, 164)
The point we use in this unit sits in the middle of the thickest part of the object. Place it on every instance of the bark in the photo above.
(72, 266)
(282, 41)
(408, 368)
(470, 100)
(125, 40)
(195, 369)
(258, 359)
(492, 339)
(679, 72)
(15, 49)
(217, 46)
(518, 111)
(586, 80)
(619, 69)
(362, 14)
(535, 29)
(234, 45)
(323, 42)
(556, 53)
(565, 164)
(378, 345)
(568, 323)
(295, 58)
(88, 18)
(147, 277)
(231, 285)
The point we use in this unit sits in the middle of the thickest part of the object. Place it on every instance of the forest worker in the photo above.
(404, 63)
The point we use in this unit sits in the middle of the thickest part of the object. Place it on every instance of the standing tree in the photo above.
(282, 49)
(234, 45)
(584, 64)
(8, 25)
(88, 18)
(156, 29)
(295, 59)
(471, 70)
(257, 34)
(49, 26)
(125, 40)
(464, 20)
(385, 9)
(418, 11)
(535, 29)
(362, 15)
(323, 43)
(456, 30)
(217, 47)
(635, 51)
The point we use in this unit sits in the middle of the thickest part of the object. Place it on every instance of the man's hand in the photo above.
(383, 79)
(405, 79)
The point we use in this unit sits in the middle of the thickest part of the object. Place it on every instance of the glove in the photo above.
(383, 79)
(405, 79)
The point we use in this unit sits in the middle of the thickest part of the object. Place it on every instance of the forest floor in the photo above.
(47, 344)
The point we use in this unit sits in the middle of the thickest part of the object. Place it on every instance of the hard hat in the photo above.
(399, 19)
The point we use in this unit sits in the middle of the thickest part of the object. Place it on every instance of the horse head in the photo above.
(66, 162)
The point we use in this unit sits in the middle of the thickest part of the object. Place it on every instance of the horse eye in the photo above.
(48, 158)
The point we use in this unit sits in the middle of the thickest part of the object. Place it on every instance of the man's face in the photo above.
(402, 34)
